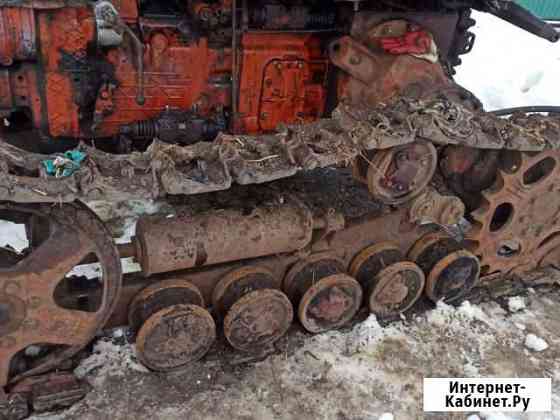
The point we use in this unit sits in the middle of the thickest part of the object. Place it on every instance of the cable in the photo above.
(542, 108)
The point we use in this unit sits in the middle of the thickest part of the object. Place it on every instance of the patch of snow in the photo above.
(520, 326)
(532, 342)
(13, 235)
(473, 417)
(386, 416)
(108, 359)
(516, 303)
(510, 67)
(472, 312)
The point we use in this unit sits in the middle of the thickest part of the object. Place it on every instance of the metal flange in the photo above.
(396, 288)
(452, 277)
(161, 295)
(258, 319)
(399, 174)
(175, 336)
(237, 283)
(451, 271)
(330, 303)
(371, 260)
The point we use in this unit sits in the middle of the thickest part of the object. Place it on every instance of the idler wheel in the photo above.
(172, 326)
(398, 174)
(392, 284)
(325, 296)
(258, 319)
(396, 288)
(450, 270)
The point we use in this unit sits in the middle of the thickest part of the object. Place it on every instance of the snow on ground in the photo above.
(366, 372)
(509, 67)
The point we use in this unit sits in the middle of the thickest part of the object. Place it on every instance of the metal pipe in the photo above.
(186, 241)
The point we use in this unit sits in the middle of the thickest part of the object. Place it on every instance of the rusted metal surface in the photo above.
(51, 391)
(469, 171)
(377, 76)
(451, 271)
(518, 224)
(170, 169)
(344, 245)
(324, 296)
(164, 293)
(394, 107)
(433, 207)
(237, 283)
(308, 271)
(440, 25)
(329, 303)
(452, 277)
(397, 175)
(396, 288)
(29, 312)
(258, 319)
(175, 336)
(369, 261)
(185, 241)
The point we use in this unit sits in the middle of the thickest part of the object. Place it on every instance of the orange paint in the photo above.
(283, 79)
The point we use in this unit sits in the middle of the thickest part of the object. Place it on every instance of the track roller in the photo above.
(256, 312)
(398, 174)
(451, 270)
(392, 284)
(172, 326)
(325, 296)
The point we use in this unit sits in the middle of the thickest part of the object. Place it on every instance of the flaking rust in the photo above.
(227, 105)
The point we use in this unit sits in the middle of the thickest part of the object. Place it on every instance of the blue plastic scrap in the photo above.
(65, 164)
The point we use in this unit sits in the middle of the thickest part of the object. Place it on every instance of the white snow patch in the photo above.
(532, 342)
(13, 235)
(108, 359)
(516, 303)
(510, 67)
(387, 416)
(519, 326)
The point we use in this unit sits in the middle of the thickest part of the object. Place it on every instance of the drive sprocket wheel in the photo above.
(517, 225)
(30, 311)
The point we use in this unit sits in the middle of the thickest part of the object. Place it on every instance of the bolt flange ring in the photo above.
(330, 303)
(396, 289)
(175, 336)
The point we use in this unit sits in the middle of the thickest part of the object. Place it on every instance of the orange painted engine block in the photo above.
(55, 70)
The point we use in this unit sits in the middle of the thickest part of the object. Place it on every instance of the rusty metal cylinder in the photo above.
(185, 241)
